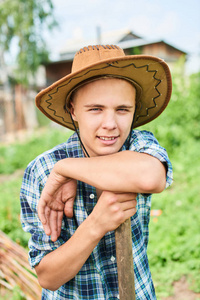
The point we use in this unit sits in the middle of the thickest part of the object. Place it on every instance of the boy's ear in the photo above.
(72, 111)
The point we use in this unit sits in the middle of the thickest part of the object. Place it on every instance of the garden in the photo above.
(174, 244)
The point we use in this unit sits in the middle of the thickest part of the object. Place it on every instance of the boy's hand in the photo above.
(112, 209)
(57, 198)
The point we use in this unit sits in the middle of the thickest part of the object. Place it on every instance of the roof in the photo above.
(111, 37)
(140, 42)
(68, 51)
(123, 38)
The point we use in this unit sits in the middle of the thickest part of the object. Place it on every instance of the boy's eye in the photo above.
(95, 109)
(123, 109)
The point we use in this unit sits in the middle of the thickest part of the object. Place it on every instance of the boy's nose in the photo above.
(109, 121)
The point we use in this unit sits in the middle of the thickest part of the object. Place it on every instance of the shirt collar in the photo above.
(73, 146)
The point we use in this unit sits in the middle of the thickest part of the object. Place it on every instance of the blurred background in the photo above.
(38, 40)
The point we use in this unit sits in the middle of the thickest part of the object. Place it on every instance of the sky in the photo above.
(177, 22)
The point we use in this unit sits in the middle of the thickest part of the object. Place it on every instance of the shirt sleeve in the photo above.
(33, 182)
(145, 142)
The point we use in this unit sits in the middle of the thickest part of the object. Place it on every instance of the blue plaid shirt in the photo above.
(97, 279)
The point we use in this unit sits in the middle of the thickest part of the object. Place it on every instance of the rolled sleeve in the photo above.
(145, 142)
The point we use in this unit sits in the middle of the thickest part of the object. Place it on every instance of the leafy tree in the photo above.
(24, 23)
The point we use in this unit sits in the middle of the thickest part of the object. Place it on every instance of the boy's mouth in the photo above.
(106, 138)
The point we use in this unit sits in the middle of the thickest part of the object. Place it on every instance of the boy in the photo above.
(103, 175)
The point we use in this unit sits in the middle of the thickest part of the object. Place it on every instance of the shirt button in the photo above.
(91, 196)
(112, 258)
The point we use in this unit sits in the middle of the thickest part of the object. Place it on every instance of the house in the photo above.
(127, 40)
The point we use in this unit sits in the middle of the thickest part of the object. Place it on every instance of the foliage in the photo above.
(24, 23)
(17, 156)
(10, 211)
(174, 236)
(179, 124)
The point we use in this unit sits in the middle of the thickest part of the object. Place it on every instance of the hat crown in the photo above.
(94, 54)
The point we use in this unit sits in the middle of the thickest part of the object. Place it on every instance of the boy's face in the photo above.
(104, 111)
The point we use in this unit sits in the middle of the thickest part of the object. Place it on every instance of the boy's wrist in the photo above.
(96, 232)
(60, 171)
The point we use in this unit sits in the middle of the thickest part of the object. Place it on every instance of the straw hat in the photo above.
(150, 76)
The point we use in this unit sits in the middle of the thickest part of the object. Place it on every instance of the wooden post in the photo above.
(20, 122)
(123, 239)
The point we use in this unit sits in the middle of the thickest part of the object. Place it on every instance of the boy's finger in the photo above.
(42, 211)
(127, 197)
(45, 225)
(59, 222)
(129, 213)
(47, 229)
(53, 225)
(129, 204)
(68, 210)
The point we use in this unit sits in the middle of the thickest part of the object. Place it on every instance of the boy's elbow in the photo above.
(44, 280)
(155, 180)
(45, 284)
(153, 185)
(158, 185)
(48, 280)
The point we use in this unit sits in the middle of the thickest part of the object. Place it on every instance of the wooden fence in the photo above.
(15, 271)
(17, 111)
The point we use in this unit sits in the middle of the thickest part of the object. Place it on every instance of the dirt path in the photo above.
(182, 292)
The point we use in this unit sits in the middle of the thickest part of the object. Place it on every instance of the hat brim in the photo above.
(150, 73)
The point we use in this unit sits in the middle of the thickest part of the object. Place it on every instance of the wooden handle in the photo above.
(123, 239)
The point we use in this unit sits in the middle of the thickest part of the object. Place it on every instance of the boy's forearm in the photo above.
(61, 265)
(125, 171)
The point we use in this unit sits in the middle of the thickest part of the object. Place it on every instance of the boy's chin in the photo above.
(107, 152)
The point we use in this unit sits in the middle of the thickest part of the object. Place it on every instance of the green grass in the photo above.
(18, 155)
(10, 211)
